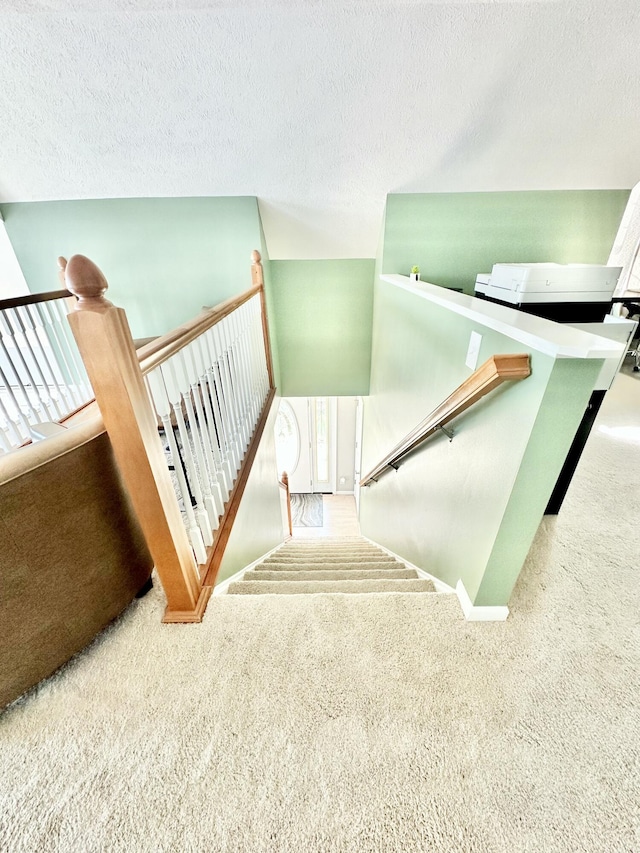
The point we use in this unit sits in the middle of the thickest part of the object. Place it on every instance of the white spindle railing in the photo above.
(42, 377)
(208, 396)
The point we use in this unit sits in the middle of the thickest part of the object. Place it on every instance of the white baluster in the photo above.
(240, 329)
(59, 311)
(223, 394)
(236, 375)
(60, 346)
(177, 385)
(31, 406)
(40, 389)
(211, 491)
(227, 383)
(162, 405)
(214, 420)
(34, 330)
(214, 398)
(252, 378)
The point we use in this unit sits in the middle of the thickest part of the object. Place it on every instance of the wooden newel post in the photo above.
(285, 481)
(257, 278)
(104, 339)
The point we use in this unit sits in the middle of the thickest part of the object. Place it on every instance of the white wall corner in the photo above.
(473, 613)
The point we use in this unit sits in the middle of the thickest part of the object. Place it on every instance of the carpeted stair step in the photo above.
(321, 565)
(330, 575)
(282, 557)
(311, 587)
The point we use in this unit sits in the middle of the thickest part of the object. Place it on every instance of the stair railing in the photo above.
(42, 377)
(184, 414)
(491, 374)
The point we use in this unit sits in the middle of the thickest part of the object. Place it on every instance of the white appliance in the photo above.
(534, 283)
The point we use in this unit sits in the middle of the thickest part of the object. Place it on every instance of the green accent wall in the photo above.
(164, 258)
(323, 312)
(466, 509)
(258, 525)
(454, 236)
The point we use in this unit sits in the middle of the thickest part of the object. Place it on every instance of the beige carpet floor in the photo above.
(360, 723)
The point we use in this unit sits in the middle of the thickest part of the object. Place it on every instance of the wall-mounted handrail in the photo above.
(495, 371)
(205, 388)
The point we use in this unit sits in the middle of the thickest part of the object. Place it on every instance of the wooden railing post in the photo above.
(285, 482)
(257, 278)
(104, 339)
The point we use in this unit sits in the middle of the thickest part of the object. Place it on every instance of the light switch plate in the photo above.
(474, 350)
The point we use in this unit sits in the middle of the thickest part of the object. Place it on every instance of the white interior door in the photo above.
(313, 468)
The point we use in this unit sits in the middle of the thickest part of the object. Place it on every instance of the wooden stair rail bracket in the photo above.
(106, 345)
(257, 278)
(495, 370)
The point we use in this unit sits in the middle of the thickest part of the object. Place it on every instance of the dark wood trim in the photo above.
(33, 298)
(152, 354)
(214, 558)
(495, 371)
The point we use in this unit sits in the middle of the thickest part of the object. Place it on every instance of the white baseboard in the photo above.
(344, 492)
(473, 613)
(440, 586)
(221, 588)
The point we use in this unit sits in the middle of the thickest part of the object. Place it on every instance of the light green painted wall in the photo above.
(454, 236)
(466, 509)
(258, 525)
(164, 258)
(323, 313)
(559, 415)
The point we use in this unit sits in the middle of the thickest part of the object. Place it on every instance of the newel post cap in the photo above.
(256, 257)
(86, 281)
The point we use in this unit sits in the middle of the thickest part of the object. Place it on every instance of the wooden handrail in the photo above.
(495, 371)
(160, 349)
(284, 484)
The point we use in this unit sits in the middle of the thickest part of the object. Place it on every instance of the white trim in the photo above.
(556, 339)
(343, 492)
(440, 586)
(473, 613)
(221, 588)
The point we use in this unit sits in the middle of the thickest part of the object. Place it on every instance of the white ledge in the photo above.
(555, 339)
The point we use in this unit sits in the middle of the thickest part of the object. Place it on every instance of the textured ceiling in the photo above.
(320, 108)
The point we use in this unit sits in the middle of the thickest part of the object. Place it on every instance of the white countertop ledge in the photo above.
(555, 339)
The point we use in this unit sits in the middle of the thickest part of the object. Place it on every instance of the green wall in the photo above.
(466, 509)
(454, 236)
(164, 258)
(323, 312)
(258, 525)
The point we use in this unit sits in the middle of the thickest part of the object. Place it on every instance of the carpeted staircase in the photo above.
(351, 565)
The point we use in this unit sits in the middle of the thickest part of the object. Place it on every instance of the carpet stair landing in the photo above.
(352, 566)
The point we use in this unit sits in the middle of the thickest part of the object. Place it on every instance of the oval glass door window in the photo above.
(287, 439)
